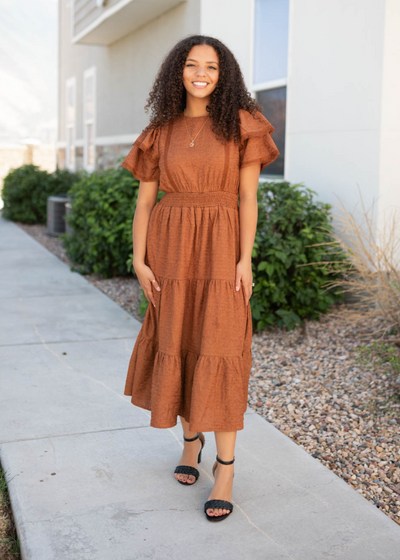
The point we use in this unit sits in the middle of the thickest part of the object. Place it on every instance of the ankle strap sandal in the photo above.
(186, 469)
(220, 504)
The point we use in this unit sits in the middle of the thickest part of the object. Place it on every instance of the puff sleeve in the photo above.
(256, 144)
(143, 158)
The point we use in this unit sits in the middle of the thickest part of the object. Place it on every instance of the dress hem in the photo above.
(193, 427)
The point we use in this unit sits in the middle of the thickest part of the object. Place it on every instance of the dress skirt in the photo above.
(192, 356)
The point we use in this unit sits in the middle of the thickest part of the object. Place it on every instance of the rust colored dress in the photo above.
(192, 356)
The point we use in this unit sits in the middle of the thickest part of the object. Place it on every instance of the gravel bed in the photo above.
(310, 384)
(9, 547)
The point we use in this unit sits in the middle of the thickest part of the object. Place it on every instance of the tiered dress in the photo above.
(192, 356)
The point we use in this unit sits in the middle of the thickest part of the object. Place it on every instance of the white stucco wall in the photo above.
(232, 23)
(334, 104)
(133, 62)
(389, 176)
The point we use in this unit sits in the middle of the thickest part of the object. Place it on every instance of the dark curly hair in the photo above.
(167, 98)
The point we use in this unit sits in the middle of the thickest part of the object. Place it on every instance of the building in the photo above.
(326, 74)
(29, 151)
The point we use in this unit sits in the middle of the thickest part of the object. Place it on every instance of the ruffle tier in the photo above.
(210, 392)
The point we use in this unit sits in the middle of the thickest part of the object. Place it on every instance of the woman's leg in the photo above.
(222, 490)
(190, 452)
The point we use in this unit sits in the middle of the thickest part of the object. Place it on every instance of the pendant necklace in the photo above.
(193, 139)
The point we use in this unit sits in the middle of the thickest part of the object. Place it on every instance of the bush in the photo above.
(291, 232)
(103, 206)
(64, 179)
(25, 192)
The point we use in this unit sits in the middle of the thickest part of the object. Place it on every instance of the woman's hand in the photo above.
(145, 276)
(244, 275)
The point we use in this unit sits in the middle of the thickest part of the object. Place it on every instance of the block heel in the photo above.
(220, 504)
(186, 469)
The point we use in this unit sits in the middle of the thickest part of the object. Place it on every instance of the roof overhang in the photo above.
(108, 24)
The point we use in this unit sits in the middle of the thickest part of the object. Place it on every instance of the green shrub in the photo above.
(64, 179)
(103, 206)
(290, 227)
(25, 192)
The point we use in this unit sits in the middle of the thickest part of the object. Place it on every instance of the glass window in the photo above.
(273, 102)
(89, 97)
(271, 32)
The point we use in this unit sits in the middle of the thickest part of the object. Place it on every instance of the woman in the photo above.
(204, 147)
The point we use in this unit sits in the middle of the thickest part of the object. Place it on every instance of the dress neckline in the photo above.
(199, 117)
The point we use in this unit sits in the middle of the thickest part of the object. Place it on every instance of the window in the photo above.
(271, 33)
(70, 122)
(273, 102)
(89, 118)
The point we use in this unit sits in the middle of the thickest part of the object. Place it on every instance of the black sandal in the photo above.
(185, 469)
(220, 504)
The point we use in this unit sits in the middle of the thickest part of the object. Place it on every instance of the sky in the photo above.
(28, 70)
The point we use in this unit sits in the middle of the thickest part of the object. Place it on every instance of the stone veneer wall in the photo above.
(79, 158)
(106, 156)
(61, 157)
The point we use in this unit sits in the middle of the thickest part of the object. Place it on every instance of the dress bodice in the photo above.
(165, 154)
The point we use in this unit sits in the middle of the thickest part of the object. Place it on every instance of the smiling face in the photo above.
(201, 71)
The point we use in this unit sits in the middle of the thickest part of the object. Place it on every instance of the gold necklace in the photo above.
(193, 139)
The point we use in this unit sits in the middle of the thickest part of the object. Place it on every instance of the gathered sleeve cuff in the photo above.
(143, 158)
(256, 144)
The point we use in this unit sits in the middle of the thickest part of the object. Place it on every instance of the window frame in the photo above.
(89, 73)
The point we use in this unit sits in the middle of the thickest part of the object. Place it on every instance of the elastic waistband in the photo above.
(211, 198)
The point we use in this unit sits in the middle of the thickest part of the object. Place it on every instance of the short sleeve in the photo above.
(143, 158)
(256, 144)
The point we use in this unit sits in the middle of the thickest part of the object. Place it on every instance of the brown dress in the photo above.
(192, 356)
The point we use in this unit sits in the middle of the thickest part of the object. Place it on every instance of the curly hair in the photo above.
(167, 98)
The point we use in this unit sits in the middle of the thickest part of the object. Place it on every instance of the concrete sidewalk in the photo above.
(90, 479)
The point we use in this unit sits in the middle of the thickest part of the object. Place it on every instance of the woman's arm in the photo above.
(147, 198)
(248, 215)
